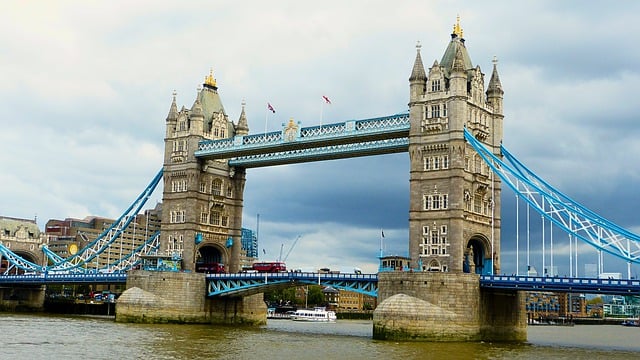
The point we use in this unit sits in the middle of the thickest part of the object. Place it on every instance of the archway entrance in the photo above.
(475, 257)
(5, 265)
(210, 260)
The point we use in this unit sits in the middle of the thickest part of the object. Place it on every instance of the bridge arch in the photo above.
(476, 255)
(208, 254)
(26, 255)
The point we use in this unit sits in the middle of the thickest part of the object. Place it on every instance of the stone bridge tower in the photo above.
(454, 217)
(454, 214)
(202, 200)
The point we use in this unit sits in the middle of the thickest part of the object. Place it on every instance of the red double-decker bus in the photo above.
(269, 266)
(210, 268)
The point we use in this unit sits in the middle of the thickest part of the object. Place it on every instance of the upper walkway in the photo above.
(353, 138)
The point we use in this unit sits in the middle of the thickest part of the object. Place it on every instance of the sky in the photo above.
(86, 88)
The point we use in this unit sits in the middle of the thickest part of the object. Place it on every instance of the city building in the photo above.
(69, 236)
(249, 247)
(353, 301)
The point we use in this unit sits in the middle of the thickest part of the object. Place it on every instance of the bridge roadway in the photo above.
(253, 283)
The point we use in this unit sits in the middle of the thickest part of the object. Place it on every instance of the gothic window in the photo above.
(177, 216)
(477, 203)
(203, 187)
(183, 125)
(222, 133)
(443, 229)
(436, 162)
(229, 191)
(444, 110)
(427, 202)
(435, 111)
(436, 202)
(215, 218)
(216, 187)
(225, 220)
(204, 218)
(435, 85)
(478, 165)
(215, 132)
(179, 185)
(425, 230)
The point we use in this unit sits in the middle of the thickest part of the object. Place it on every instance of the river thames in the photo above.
(69, 337)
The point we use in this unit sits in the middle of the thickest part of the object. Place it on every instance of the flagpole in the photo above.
(266, 116)
(321, 108)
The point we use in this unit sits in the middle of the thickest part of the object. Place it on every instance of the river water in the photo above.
(69, 337)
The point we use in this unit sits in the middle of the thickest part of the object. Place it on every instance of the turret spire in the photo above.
(210, 81)
(457, 29)
(173, 110)
(418, 73)
(243, 126)
(494, 83)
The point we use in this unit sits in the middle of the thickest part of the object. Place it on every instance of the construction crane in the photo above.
(288, 252)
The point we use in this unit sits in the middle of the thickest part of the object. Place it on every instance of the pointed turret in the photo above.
(418, 78)
(196, 118)
(494, 91)
(243, 126)
(418, 73)
(173, 110)
(172, 117)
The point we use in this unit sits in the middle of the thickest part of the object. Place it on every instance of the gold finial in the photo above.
(418, 46)
(209, 80)
(457, 30)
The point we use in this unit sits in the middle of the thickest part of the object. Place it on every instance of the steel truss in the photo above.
(558, 208)
(383, 135)
(243, 284)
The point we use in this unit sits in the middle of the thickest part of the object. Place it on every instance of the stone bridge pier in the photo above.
(180, 297)
(438, 306)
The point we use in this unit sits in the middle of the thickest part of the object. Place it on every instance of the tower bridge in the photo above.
(453, 134)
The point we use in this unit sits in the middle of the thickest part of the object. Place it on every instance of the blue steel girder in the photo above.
(330, 152)
(383, 135)
(244, 284)
(553, 205)
(561, 284)
(16, 261)
(45, 278)
(76, 262)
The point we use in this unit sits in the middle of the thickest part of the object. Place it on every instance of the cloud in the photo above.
(87, 87)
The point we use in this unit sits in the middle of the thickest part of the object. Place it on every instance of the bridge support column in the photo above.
(180, 297)
(21, 298)
(250, 310)
(440, 306)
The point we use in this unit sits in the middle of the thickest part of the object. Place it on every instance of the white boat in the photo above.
(272, 313)
(318, 314)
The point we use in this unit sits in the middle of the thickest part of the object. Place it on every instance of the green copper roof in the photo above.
(450, 54)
